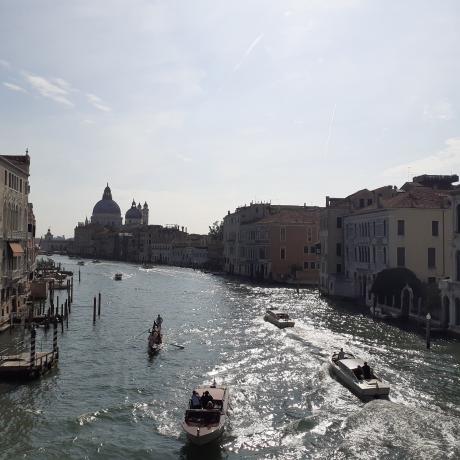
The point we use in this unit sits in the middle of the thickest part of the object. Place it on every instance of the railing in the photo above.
(43, 357)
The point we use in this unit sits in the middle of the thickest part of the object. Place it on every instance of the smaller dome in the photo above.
(133, 213)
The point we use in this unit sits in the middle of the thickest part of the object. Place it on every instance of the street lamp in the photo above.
(428, 327)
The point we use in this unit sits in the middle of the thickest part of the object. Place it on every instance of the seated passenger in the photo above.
(359, 373)
(341, 354)
(196, 401)
(205, 399)
(367, 373)
(209, 405)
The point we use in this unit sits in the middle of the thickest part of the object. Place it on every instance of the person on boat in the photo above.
(196, 401)
(359, 373)
(341, 354)
(206, 399)
(159, 320)
(367, 373)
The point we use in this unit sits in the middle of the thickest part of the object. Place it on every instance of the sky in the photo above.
(201, 106)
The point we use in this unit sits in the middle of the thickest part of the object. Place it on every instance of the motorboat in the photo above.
(345, 368)
(155, 341)
(96, 261)
(118, 276)
(278, 318)
(204, 425)
(147, 266)
(81, 262)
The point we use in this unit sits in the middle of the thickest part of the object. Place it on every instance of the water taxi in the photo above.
(203, 425)
(118, 276)
(348, 371)
(278, 318)
(81, 262)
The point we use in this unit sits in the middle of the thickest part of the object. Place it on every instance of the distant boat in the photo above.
(147, 266)
(204, 425)
(81, 262)
(155, 341)
(278, 318)
(118, 276)
(96, 261)
(347, 372)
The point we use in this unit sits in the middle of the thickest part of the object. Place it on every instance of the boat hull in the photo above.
(365, 389)
(277, 323)
(204, 435)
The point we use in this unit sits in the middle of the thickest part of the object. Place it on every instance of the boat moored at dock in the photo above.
(279, 319)
(204, 420)
(355, 374)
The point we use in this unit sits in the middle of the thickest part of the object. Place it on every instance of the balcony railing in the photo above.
(15, 235)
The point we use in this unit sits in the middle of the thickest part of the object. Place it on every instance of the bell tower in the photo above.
(145, 214)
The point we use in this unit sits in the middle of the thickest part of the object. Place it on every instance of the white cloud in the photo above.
(97, 102)
(440, 110)
(248, 51)
(14, 87)
(446, 161)
(57, 89)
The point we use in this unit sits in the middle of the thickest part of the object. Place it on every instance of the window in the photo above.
(458, 218)
(435, 228)
(312, 265)
(384, 228)
(305, 265)
(400, 227)
(373, 254)
(431, 257)
(283, 233)
(457, 257)
(309, 234)
(361, 202)
(369, 201)
(305, 249)
(384, 255)
(312, 250)
(401, 255)
(283, 253)
(338, 249)
(339, 268)
(457, 312)
(339, 222)
(374, 227)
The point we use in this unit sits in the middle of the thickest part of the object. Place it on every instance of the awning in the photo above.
(17, 249)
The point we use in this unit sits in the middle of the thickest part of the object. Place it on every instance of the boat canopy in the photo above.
(351, 363)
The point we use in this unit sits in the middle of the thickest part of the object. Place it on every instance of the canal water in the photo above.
(109, 400)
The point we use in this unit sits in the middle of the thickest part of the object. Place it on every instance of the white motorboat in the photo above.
(204, 425)
(347, 372)
(278, 318)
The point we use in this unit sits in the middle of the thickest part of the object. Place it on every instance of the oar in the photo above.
(175, 345)
(138, 335)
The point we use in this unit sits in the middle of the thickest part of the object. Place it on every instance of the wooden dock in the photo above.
(20, 367)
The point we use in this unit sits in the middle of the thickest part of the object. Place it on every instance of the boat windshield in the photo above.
(282, 316)
(202, 417)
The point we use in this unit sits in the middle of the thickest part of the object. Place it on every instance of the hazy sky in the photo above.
(200, 106)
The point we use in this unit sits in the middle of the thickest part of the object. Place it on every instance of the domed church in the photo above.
(137, 215)
(106, 211)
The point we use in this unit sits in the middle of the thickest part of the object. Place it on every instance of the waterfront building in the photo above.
(17, 232)
(273, 242)
(51, 243)
(450, 286)
(332, 274)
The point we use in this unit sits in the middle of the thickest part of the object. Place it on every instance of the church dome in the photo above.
(134, 212)
(107, 205)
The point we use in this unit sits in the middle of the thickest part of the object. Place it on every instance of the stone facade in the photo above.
(275, 243)
(17, 232)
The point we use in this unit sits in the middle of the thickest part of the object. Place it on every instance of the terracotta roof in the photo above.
(292, 217)
(419, 197)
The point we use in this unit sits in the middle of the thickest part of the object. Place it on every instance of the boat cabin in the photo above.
(279, 314)
(202, 417)
(349, 366)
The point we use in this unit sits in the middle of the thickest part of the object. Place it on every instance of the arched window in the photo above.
(457, 312)
(457, 264)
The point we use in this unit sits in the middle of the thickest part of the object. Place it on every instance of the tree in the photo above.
(216, 230)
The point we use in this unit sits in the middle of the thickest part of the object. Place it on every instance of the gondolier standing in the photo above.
(158, 322)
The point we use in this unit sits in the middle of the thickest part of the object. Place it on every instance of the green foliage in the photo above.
(216, 230)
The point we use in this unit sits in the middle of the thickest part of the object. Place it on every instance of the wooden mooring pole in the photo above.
(99, 305)
(94, 310)
(33, 334)
(79, 275)
(55, 347)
